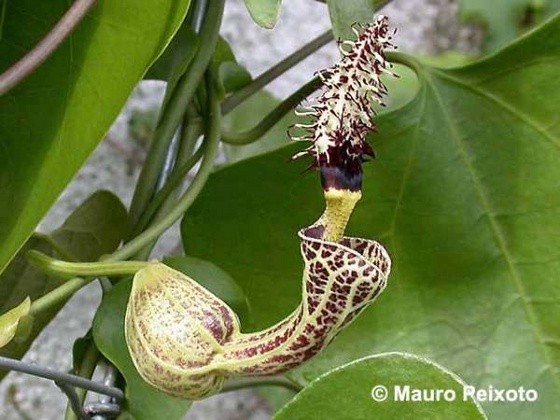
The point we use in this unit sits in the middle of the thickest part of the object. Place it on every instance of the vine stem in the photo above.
(190, 132)
(34, 58)
(185, 201)
(196, 18)
(66, 269)
(286, 64)
(186, 159)
(58, 295)
(174, 181)
(47, 373)
(175, 109)
(406, 60)
(274, 116)
(241, 383)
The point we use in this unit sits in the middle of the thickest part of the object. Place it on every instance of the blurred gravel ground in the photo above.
(428, 26)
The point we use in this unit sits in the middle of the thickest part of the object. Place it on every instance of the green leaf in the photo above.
(142, 400)
(10, 320)
(79, 350)
(51, 122)
(402, 89)
(264, 12)
(176, 57)
(464, 194)
(348, 392)
(95, 228)
(503, 21)
(223, 53)
(214, 279)
(231, 75)
(345, 13)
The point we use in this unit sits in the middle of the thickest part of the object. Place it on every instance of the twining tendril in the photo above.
(343, 114)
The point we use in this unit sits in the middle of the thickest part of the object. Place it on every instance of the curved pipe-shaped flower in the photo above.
(186, 342)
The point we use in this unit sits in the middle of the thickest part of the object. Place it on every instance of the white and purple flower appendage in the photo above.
(342, 115)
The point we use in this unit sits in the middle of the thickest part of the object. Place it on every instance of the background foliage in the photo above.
(464, 194)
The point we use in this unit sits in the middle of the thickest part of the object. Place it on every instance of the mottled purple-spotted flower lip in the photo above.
(314, 234)
(342, 115)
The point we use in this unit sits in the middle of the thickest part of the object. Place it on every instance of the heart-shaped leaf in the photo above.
(464, 194)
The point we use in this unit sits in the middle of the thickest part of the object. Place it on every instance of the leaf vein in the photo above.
(506, 106)
(497, 233)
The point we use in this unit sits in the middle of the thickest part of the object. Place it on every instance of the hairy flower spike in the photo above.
(343, 114)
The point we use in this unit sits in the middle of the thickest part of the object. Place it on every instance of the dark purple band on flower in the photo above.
(341, 178)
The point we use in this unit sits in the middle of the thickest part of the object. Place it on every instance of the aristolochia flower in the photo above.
(343, 113)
